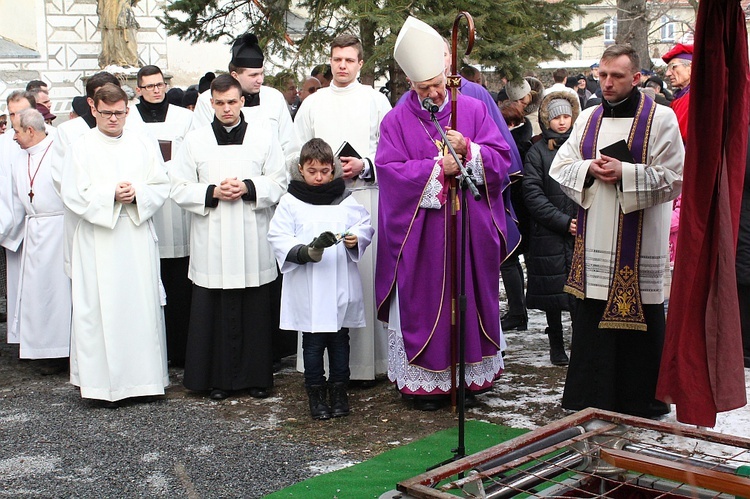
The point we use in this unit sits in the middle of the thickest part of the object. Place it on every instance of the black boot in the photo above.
(511, 322)
(339, 400)
(319, 408)
(557, 355)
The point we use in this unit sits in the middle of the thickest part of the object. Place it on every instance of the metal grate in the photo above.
(597, 453)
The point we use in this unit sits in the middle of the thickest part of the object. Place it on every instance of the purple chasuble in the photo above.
(413, 253)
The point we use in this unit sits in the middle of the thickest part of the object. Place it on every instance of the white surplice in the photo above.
(43, 308)
(228, 245)
(327, 295)
(353, 114)
(11, 227)
(649, 187)
(172, 222)
(118, 347)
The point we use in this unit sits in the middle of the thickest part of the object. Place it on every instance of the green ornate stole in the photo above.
(624, 307)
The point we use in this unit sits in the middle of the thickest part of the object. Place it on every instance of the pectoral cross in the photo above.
(31, 196)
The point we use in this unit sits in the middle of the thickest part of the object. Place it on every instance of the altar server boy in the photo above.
(318, 235)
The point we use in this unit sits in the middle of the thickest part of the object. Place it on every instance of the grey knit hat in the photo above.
(517, 90)
(558, 107)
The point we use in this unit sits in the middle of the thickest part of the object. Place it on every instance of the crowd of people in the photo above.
(198, 229)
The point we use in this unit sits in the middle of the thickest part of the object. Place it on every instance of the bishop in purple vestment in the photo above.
(413, 270)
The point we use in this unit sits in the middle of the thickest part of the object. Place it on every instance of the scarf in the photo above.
(624, 308)
(554, 139)
(153, 112)
(233, 137)
(317, 194)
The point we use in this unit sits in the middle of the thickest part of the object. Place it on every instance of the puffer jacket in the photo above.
(550, 248)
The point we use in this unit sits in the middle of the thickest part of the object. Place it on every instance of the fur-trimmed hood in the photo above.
(537, 89)
(544, 111)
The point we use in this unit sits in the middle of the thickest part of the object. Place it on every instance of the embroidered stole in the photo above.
(624, 308)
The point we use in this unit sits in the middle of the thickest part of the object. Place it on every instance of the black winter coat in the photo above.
(551, 245)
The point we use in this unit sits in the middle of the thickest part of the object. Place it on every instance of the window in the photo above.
(667, 29)
(610, 30)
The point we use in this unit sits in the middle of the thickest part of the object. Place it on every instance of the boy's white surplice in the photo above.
(327, 295)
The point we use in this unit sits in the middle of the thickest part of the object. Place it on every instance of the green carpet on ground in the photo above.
(380, 474)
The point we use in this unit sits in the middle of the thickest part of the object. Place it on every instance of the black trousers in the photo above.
(512, 274)
(614, 369)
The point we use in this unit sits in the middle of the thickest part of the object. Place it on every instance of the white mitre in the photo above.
(419, 50)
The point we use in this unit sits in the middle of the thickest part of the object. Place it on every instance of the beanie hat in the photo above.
(517, 90)
(558, 107)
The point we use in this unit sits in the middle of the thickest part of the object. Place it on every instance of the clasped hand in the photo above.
(458, 142)
(230, 189)
(606, 169)
(124, 193)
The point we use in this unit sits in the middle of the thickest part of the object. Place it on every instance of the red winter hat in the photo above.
(679, 51)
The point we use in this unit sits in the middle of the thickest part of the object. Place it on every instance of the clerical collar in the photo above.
(252, 100)
(625, 108)
(234, 136)
(153, 112)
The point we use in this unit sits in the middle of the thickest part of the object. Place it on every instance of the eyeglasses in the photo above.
(151, 86)
(108, 114)
(670, 67)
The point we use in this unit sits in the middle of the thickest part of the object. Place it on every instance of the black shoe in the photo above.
(50, 367)
(217, 394)
(258, 393)
(339, 399)
(428, 403)
(511, 322)
(319, 408)
(3, 317)
(557, 355)
(747, 362)
(470, 400)
(108, 404)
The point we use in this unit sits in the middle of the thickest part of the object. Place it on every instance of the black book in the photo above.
(346, 150)
(619, 150)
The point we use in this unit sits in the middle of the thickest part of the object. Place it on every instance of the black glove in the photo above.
(324, 240)
(307, 254)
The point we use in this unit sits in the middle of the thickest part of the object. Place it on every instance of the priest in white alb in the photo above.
(349, 112)
(42, 322)
(115, 181)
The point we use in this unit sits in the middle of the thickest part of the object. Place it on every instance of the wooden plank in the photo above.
(683, 473)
